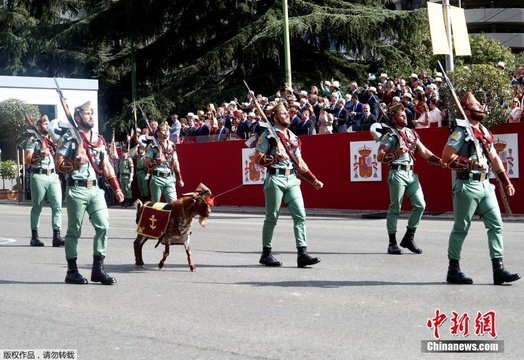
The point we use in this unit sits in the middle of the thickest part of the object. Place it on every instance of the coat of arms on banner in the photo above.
(252, 172)
(507, 147)
(364, 166)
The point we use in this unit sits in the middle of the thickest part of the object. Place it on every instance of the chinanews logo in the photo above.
(484, 324)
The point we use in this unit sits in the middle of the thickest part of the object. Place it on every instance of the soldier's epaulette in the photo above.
(461, 123)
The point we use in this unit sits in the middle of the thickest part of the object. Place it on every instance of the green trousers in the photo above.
(143, 185)
(470, 196)
(46, 186)
(278, 188)
(404, 183)
(159, 185)
(79, 201)
(125, 185)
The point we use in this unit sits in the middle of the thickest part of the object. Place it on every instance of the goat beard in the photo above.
(202, 221)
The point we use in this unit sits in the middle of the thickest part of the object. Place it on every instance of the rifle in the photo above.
(71, 123)
(264, 122)
(144, 116)
(471, 134)
(34, 130)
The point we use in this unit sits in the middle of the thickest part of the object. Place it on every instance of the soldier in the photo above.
(44, 182)
(83, 161)
(472, 191)
(125, 171)
(398, 148)
(142, 175)
(162, 162)
(283, 164)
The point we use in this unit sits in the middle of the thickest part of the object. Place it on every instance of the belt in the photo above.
(402, 167)
(83, 183)
(274, 171)
(466, 175)
(41, 171)
(161, 174)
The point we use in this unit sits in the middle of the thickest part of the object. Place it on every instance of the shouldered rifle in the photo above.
(34, 130)
(155, 139)
(465, 123)
(264, 122)
(71, 122)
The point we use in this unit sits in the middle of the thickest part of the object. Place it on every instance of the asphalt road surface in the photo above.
(357, 303)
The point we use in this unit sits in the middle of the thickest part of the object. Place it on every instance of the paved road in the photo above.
(357, 303)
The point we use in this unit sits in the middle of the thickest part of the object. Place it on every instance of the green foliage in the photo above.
(12, 121)
(490, 87)
(485, 50)
(8, 171)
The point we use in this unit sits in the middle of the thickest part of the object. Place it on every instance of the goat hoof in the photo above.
(192, 268)
(139, 265)
(160, 266)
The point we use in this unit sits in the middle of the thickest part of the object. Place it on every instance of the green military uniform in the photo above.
(44, 183)
(125, 169)
(402, 180)
(472, 192)
(83, 194)
(282, 184)
(141, 175)
(162, 177)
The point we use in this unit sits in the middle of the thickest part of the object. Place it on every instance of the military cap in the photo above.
(397, 108)
(469, 101)
(84, 107)
(279, 107)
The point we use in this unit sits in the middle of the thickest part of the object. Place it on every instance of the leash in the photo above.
(225, 192)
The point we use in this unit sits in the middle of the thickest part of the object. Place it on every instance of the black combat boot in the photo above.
(501, 275)
(393, 248)
(268, 259)
(57, 240)
(73, 276)
(98, 274)
(409, 243)
(304, 259)
(455, 276)
(35, 241)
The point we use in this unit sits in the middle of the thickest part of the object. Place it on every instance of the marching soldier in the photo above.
(142, 175)
(44, 182)
(125, 170)
(82, 156)
(284, 165)
(473, 192)
(398, 149)
(162, 162)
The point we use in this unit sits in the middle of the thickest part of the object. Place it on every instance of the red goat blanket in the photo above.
(153, 220)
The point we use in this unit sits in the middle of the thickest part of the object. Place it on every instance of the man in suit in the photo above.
(341, 117)
(307, 125)
(368, 119)
(191, 129)
(222, 133)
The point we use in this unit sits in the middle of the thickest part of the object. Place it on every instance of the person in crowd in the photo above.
(222, 133)
(368, 118)
(516, 111)
(285, 167)
(421, 108)
(325, 122)
(398, 149)
(82, 160)
(435, 115)
(174, 130)
(39, 151)
(472, 156)
(341, 117)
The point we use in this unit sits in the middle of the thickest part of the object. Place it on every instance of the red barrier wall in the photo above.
(219, 166)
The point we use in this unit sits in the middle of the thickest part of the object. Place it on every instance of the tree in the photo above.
(13, 123)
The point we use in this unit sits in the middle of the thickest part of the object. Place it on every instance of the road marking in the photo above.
(6, 241)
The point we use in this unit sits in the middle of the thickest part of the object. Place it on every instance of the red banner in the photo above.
(153, 220)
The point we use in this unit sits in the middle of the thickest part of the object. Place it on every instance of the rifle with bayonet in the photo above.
(144, 116)
(71, 122)
(471, 134)
(33, 130)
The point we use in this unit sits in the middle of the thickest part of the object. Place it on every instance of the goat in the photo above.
(178, 228)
